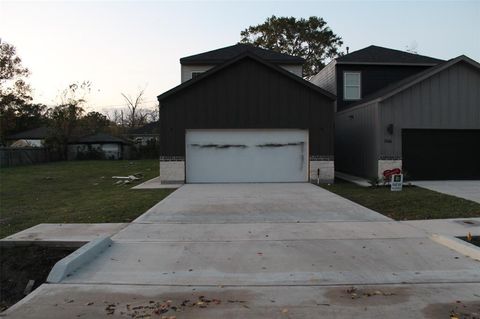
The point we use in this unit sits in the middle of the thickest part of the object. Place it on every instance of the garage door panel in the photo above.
(246, 156)
(441, 154)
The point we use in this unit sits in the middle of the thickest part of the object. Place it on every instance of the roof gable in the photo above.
(98, 138)
(414, 79)
(147, 129)
(36, 133)
(245, 55)
(380, 55)
(227, 53)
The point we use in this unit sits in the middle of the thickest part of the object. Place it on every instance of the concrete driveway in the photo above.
(256, 203)
(265, 251)
(464, 189)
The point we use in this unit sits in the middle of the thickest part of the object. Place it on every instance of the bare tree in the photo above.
(151, 114)
(135, 113)
(135, 116)
(118, 117)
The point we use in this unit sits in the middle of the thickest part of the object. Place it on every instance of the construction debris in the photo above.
(133, 177)
(356, 294)
(122, 180)
(165, 307)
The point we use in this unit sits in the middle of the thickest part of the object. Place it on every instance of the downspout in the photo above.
(378, 137)
(159, 138)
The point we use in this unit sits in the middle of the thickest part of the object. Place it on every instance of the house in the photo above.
(401, 110)
(145, 134)
(31, 138)
(245, 114)
(195, 65)
(97, 146)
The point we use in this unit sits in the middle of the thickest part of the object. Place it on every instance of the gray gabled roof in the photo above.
(404, 84)
(98, 138)
(227, 53)
(251, 55)
(379, 55)
(148, 129)
(38, 133)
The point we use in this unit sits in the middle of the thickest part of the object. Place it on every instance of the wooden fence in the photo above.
(11, 156)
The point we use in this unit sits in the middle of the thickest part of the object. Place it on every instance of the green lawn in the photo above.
(84, 192)
(73, 192)
(411, 203)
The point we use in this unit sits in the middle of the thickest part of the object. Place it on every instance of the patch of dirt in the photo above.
(194, 304)
(171, 305)
(19, 265)
(372, 296)
(454, 310)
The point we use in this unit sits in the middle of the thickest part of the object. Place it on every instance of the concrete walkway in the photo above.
(406, 301)
(256, 203)
(66, 235)
(282, 263)
(464, 189)
(267, 251)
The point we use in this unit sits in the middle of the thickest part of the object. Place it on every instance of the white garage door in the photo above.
(228, 156)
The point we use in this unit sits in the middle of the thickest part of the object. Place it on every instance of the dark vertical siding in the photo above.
(246, 94)
(449, 99)
(356, 140)
(374, 78)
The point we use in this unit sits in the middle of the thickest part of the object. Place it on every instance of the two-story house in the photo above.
(245, 114)
(396, 109)
(194, 65)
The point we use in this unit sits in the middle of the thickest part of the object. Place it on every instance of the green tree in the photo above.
(94, 122)
(17, 113)
(64, 118)
(309, 38)
(28, 116)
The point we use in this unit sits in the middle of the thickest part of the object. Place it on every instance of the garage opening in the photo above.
(430, 154)
(248, 156)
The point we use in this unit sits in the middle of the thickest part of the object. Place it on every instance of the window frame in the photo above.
(352, 86)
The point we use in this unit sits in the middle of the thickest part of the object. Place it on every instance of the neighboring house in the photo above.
(248, 117)
(31, 138)
(401, 110)
(145, 134)
(359, 74)
(93, 145)
(195, 65)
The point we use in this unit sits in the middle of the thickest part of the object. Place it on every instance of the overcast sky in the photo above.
(125, 46)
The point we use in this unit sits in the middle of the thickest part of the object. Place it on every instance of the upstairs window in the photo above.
(196, 73)
(352, 86)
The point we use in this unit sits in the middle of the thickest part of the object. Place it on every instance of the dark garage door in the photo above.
(441, 154)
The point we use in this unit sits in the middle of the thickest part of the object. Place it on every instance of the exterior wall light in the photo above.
(390, 129)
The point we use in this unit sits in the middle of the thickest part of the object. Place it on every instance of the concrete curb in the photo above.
(458, 245)
(155, 183)
(78, 258)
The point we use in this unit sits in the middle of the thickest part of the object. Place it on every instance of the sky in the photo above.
(123, 47)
